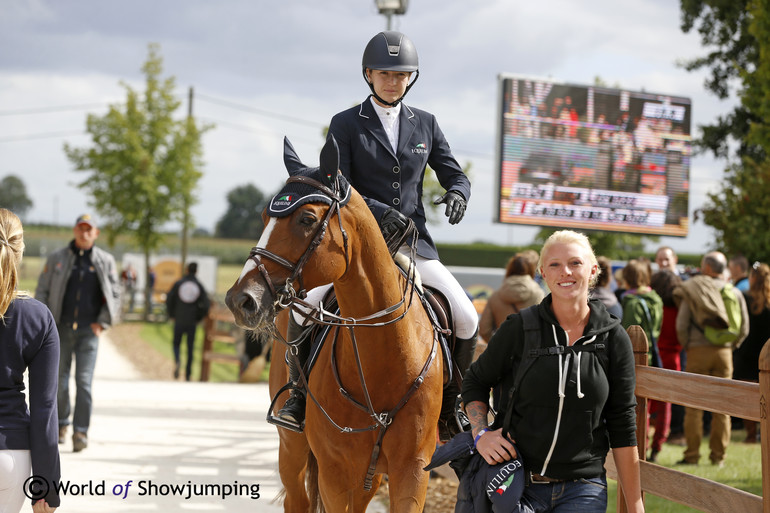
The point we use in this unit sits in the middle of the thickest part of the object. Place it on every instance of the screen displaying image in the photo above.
(591, 157)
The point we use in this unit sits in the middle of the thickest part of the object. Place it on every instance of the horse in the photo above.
(376, 412)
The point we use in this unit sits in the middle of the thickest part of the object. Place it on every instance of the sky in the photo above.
(261, 71)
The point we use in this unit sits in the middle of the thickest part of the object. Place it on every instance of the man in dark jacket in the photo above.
(187, 305)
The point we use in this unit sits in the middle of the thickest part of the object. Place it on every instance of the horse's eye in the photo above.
(307, 220)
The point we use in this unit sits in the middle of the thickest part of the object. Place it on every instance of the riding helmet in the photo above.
(390, 51)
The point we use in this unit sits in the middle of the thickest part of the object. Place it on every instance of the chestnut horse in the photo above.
(375, 392)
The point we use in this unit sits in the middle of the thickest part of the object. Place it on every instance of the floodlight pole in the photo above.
(390, 7)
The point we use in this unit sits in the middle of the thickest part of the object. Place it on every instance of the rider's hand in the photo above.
(455, 206)
(393, 222)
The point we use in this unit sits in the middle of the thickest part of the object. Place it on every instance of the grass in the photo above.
(160, 336)
(742, 470)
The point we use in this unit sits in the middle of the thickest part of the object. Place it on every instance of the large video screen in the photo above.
(594, 158)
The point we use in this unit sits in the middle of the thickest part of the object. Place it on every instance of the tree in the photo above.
(243, 218)
(615, 245)
(143, 165)
(739, 33)
(13, 195)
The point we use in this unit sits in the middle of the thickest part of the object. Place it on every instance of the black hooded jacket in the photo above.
(568, 410)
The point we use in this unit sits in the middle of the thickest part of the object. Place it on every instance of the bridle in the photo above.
(286, 295)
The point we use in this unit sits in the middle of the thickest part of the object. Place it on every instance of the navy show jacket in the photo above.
(395, 179)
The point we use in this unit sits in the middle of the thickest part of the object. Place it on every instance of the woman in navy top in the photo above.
(28, 340)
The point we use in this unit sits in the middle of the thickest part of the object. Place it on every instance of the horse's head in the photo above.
(303, 245)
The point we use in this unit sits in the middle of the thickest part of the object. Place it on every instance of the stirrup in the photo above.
(297, 427)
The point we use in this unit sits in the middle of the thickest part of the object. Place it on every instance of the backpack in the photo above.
(532, 351)
(725, 336)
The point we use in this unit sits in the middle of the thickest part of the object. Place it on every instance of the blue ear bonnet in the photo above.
(295, 194)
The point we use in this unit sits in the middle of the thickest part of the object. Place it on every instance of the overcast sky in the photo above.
(262, 70)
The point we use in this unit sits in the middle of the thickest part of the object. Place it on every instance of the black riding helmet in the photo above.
(390, 51)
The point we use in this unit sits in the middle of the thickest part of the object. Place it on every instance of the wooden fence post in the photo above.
(639, 344)
(764, 423)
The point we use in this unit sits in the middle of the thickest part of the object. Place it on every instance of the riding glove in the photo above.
(455, 206)
(393, 222)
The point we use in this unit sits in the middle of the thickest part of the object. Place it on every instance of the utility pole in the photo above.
(186, 206)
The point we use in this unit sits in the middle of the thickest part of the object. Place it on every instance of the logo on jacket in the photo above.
(420, 148)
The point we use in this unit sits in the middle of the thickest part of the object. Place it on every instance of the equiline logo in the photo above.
(420, 148)
(283, 200)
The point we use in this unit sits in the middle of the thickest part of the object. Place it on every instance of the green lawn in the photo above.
(160, 335)
(742, 470)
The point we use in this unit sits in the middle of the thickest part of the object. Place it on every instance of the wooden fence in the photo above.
(218, 325)
(736, 398)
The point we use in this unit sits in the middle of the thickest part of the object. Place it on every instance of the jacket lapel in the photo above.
(372, 123)
(407, 123)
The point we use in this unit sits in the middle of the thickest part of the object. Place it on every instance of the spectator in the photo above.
(666, 258)
(519, 290)
(642, 306)
(79, 284)
(128, 279)
(602, 290)
(664, 282)
(573, 400)
(28, 341)
(187, 304)
(739, 273)
(746, 357)
(694, 298)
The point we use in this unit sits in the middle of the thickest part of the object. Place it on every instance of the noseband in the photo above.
(284, 296)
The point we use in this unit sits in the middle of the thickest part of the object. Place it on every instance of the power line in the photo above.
(46, 135)
(261, 112)
(46, 110)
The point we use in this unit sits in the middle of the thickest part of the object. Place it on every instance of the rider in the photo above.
(385, 146)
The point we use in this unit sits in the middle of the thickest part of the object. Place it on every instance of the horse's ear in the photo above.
(330, 160)
(290, 158)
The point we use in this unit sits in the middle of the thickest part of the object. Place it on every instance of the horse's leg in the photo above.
(340, 495)
(292, 466)
(293, 449)
(407, 488)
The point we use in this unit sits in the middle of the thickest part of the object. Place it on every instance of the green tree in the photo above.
(143, 165)
(13, 195)
(243, 218)
(615, 245)
(738, 33)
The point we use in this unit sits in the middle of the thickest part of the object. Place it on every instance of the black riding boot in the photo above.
(449, 423)
(292, 415)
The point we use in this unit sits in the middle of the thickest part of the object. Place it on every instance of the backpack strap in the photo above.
(532, 351)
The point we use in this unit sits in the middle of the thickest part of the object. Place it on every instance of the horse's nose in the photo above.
(242, 302)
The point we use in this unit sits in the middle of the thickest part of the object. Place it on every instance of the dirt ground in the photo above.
(152, 365)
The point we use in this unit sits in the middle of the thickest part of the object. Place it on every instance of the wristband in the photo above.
(476, 440)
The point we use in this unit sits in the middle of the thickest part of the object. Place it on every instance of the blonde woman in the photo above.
(574, 398)
(28, 341)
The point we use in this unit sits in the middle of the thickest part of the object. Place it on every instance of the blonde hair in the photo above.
(11, 250)
(570, 237)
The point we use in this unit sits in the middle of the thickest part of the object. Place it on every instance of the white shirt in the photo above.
(389, 119)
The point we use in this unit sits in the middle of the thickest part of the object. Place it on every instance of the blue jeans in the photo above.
(579, 496)
(83, 344)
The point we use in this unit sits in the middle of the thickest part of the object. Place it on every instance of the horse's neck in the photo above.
(371, 284)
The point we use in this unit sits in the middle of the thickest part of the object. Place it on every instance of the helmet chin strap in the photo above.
(391, 104)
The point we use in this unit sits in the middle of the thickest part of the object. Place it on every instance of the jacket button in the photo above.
(396, 185)
(396, 169)
(396, 201)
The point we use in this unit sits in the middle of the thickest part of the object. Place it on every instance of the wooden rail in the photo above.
(218, 325)
(720, 395)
